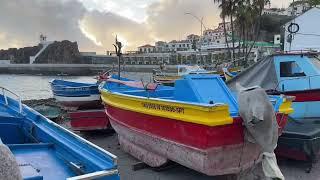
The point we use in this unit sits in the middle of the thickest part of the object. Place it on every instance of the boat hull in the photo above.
(91, 101)
(89, 120)
(216, 150)
(300, 138)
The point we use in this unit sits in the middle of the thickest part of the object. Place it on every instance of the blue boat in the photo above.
(196, 123)
(75, 94)
(293, 74)
(45, 150)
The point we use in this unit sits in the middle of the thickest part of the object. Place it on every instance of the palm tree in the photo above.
(247, 14)
(228, 10)
(223, 17)
(314, 3)
(257, 9)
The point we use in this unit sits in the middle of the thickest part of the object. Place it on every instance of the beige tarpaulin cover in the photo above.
(9, 169)
(261, 126)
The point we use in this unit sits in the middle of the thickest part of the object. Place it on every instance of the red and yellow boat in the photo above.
(196, 124)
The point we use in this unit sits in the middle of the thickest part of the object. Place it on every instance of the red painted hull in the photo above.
(305, 96)
(89, 120)
(211, 150)
(82, 104)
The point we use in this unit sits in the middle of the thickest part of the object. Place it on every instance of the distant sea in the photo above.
(37, 87)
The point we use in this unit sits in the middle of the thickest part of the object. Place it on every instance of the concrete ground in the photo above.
(292, 170)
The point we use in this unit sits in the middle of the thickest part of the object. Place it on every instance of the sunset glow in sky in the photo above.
(94, 23)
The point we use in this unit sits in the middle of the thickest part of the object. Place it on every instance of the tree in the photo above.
(223, 17)
(194, 44)
(314, 3)
(227, 10)
(245, 18)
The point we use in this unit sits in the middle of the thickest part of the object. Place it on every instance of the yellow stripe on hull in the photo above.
(209, 116)
(286, 107)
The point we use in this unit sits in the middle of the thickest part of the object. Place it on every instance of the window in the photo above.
(290, 69)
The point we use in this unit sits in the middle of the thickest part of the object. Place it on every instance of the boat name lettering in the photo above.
(77, 89)
(179, 110)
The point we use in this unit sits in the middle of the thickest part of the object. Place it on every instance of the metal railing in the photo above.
(95, 175)
(5, 92)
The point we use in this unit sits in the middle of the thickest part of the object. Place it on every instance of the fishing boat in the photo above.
(75, 94)
(228, 75)
(295, 74)
(196, 123)
(169, 79)
(45, 150)
(89, 120)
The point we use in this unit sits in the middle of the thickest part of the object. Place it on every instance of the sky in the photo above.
(95, 23)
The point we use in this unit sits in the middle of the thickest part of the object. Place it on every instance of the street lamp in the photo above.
(197, 18)
(201, 34)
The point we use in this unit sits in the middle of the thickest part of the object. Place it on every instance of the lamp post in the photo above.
(201, 29)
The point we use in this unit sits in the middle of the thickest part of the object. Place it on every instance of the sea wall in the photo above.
(73, 69)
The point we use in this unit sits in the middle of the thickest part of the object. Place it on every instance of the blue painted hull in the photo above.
(45, 150)
(73, 89)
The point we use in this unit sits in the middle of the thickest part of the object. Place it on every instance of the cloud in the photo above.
(94, 23)
(21, 22)
(167, 19)
(134, 10)
(105, 26)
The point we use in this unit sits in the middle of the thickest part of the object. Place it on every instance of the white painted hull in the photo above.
(92, 100)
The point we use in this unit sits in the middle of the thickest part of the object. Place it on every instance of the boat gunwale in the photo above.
(13, 107)
(222, 112)
(113, 157)
(195, 104)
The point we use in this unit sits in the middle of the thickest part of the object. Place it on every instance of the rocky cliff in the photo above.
(19, 56)
(63, 52)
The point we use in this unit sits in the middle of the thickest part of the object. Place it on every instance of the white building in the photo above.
(147, 49)
(193, 37)
(297, 8)
(146, 58)
(175, 46)
(161, 46)
(217, 35)
(308, 36)
(275, 11)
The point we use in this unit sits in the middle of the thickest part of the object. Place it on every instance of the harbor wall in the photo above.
(73, 69)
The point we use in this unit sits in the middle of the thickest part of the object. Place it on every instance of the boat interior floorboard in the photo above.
(40, 161)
